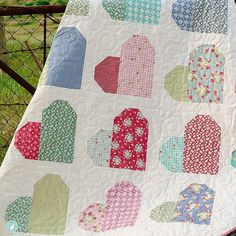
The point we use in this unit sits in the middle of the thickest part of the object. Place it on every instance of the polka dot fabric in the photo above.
(171, 154)
(202, 139)
(27, 140)
(19, 212)
(211, 16)
(99, 146)
(58, 133)
(203, 16)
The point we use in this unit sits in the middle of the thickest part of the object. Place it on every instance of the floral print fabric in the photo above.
(129, 141)
(202, 81)
(121, 209)
(195, 205)
(206, 79)
(92, 218)
(124, 147)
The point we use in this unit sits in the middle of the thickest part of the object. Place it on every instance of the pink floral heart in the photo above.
(123, 202)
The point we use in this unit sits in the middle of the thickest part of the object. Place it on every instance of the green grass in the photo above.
(11, 96)
(14, 98)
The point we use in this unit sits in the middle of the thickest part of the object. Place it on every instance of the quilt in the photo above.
(132, 128)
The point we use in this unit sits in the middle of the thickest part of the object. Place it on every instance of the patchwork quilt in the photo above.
(132, 128)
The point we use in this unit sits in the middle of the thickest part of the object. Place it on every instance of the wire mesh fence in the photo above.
(25, 40)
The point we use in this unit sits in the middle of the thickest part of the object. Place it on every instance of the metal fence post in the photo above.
(26, 34)
(3, 55)
(44, 39)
